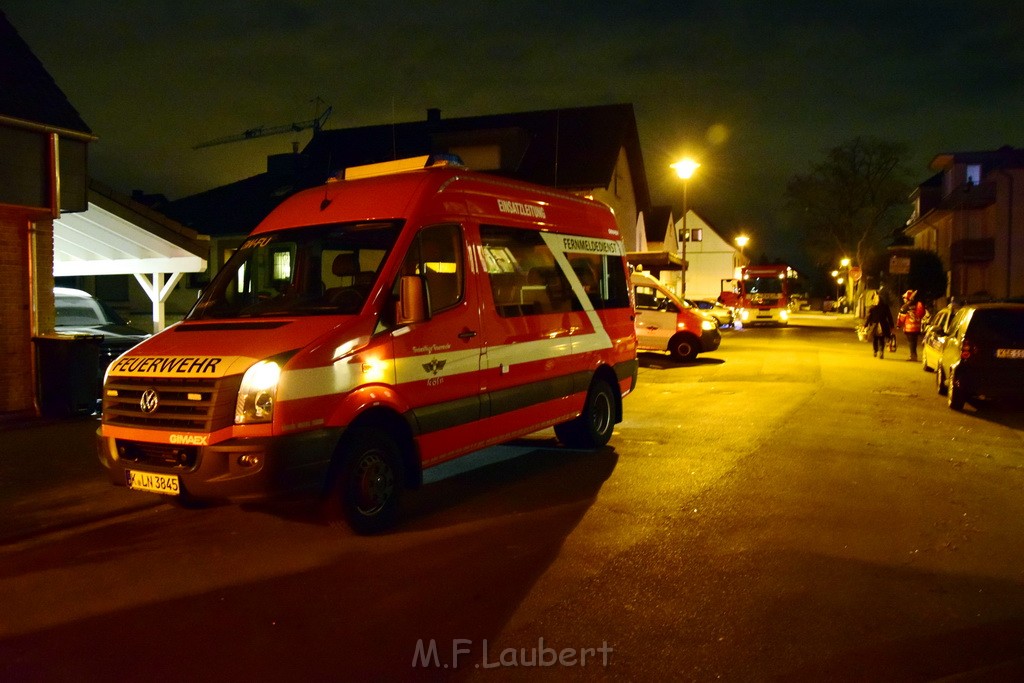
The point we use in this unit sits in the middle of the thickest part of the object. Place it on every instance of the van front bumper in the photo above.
(237, 469)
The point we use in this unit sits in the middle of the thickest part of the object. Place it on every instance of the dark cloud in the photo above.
(759, 91)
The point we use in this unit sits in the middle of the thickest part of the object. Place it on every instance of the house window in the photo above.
(973, 174)
(696, 235)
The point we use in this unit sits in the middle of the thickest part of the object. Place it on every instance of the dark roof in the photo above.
(572, 149)
(27, 91)
(233, 209)
(656, 223)
(1004, 157)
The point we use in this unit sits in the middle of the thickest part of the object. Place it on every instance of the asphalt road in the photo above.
(785, 508)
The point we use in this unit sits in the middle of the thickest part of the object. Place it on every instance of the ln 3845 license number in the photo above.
(166, 484)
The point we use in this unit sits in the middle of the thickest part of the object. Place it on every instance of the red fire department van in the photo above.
(376, 326)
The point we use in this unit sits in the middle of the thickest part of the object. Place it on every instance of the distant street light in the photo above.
(742, 241)
(685, 169)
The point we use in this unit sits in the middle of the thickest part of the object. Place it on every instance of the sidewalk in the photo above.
(847, 321)
(51, 479)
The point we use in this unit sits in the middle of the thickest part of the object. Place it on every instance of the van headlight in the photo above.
(708, 325)
(256, 395)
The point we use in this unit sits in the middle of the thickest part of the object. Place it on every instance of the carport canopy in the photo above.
(119, 236)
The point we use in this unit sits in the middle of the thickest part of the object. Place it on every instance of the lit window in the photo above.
(974, 174)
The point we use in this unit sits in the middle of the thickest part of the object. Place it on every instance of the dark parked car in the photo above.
(983, 355)
(79, 313)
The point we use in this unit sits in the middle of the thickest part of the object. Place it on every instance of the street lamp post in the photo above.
(742, 241)
(684, 169)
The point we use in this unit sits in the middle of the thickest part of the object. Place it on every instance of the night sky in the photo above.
(756, 91)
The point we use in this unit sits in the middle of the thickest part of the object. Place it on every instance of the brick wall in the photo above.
(17, 380)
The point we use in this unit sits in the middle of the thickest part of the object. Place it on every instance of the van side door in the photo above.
(437, 360)
(531, 317)
(656, 317)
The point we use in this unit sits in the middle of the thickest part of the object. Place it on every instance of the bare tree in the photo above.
(850, 203)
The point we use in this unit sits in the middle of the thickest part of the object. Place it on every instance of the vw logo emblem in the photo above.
(149, 401)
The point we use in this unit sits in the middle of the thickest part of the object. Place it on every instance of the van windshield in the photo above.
(317, 270)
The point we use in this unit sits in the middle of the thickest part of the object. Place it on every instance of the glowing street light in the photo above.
(684, 169)
(742, 241)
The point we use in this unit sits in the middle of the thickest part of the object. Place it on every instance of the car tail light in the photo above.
(968, 349)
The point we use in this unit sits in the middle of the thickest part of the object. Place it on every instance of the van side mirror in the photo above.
(411, 306)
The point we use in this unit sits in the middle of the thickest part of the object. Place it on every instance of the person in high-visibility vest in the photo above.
(909, 320)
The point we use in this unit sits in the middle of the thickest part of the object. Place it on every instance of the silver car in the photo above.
(934, 337)
(720, 312)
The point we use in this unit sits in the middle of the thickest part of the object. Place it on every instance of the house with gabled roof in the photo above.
(43, 172)
(710, 258)
(971, 213)
(56, 221)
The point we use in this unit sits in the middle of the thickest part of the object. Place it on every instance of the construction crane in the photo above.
(262, 131)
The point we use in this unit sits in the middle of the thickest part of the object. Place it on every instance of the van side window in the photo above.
(524, 276)
(603, 279)
(436, 254)
(650, 299)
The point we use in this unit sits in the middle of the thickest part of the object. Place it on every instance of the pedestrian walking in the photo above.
(879, 326)
(909, 320)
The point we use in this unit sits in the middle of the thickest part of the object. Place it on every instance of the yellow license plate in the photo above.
(166, 484)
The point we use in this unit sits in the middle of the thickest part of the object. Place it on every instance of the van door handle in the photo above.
(467, 334)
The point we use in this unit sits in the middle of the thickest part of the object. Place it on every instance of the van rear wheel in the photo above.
(593, 428)
(368, 484)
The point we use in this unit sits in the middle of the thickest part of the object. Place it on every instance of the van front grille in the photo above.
(157, 454)
(190, 405)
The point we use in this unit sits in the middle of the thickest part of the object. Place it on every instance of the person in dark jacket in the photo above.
(879, 326)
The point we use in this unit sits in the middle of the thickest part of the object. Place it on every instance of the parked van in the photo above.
(665, 323)
(982, 356)
(376, 326)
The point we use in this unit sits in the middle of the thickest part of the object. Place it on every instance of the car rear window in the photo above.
(72, 312)
(1002, 326)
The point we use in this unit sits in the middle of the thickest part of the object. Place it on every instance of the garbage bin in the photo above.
(67, 374)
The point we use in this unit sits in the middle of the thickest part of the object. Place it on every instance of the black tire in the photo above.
(368, 484)
(683, 347)
(955, 397)
(940, 381)
(593, 428)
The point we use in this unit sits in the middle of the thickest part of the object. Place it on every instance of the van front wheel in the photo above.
(683, 348)
(368, 483)
(593, 428)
